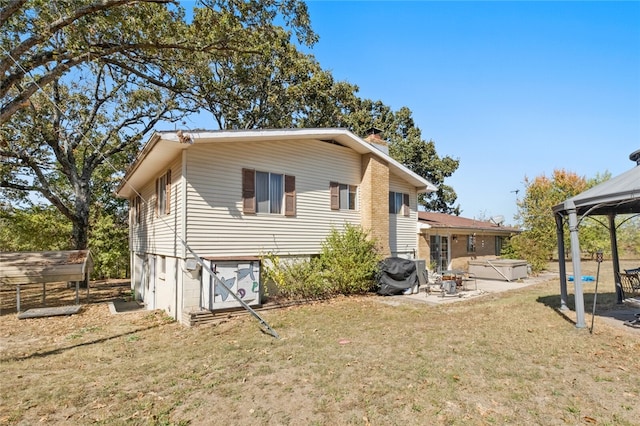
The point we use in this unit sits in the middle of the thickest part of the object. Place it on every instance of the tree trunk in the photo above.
(81, 220)
(81, 217)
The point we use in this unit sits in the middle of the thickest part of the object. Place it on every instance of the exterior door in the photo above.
(150, 284)
(439, 247)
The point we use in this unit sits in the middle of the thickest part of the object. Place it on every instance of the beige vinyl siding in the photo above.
(158, 234)
(216, 225)
(402, 229)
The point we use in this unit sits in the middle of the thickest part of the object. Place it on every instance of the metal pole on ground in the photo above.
(595, 294)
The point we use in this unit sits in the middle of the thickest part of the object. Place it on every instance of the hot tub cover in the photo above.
(395, 275)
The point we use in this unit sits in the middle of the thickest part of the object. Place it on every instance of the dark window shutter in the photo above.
(157, 204)
(289, 195)
(167, 209)
(405, 204)
(248, 191)
(334, 190)
(392, 203)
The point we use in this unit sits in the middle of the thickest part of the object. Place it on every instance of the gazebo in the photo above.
(619, 195)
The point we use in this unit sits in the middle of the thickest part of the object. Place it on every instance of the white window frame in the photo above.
(275, 206)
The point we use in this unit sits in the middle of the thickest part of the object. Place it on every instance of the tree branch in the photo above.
(44, 188)
(63, 22)
(9, 10)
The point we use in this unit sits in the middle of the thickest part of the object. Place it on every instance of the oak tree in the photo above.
(83, 81)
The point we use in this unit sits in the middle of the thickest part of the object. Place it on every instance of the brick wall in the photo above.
(424, 251)
(374, 200)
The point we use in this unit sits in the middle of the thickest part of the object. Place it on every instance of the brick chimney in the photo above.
(374, 192)
(374, 138)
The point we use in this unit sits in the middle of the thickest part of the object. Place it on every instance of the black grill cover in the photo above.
(395, 275)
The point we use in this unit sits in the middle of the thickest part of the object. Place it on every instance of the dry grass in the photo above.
(509, 358)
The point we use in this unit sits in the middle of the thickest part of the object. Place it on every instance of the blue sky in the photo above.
(512, 89)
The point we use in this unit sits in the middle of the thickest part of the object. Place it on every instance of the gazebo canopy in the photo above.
(619, 195)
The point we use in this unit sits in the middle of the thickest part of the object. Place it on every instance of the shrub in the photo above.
(350, 260)
(294, 278)
(522, 247)
(347, 265)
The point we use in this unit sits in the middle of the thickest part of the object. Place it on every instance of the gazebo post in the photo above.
(614, 254)
(561, 262)
(577, 273)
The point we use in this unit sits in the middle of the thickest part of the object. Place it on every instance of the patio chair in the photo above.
(629, 285)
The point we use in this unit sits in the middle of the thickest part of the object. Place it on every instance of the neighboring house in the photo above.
(449, 241)
(232, 196)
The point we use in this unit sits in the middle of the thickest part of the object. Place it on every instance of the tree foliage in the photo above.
(42, 41)
(407, 146)
(538, 242)
(84, 81)
(38, 228)
(628, 231)
(109, 244)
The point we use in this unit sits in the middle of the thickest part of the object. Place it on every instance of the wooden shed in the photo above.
(21, 268)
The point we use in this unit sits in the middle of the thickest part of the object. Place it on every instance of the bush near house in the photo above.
(346, 265)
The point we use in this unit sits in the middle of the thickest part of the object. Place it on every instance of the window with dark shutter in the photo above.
(392, 203)
(248, 191)
(167, 195)
(343, 196)
(399, 203)
(158, 197)
(136, 209)
(334, 191)
(405, 204)
(163, 194)
(289, 195)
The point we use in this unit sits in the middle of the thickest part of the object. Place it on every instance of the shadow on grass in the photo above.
(79, 345)
(606, 306)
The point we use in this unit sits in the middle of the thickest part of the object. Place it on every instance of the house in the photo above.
(450, 242)
(232, 196)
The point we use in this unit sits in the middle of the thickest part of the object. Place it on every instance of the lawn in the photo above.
(508, 358)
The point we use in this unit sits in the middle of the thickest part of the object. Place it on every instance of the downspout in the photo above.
(562, 264)
(575, 257)
(614, 255)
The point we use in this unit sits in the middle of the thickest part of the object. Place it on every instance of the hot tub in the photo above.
(499, 269)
